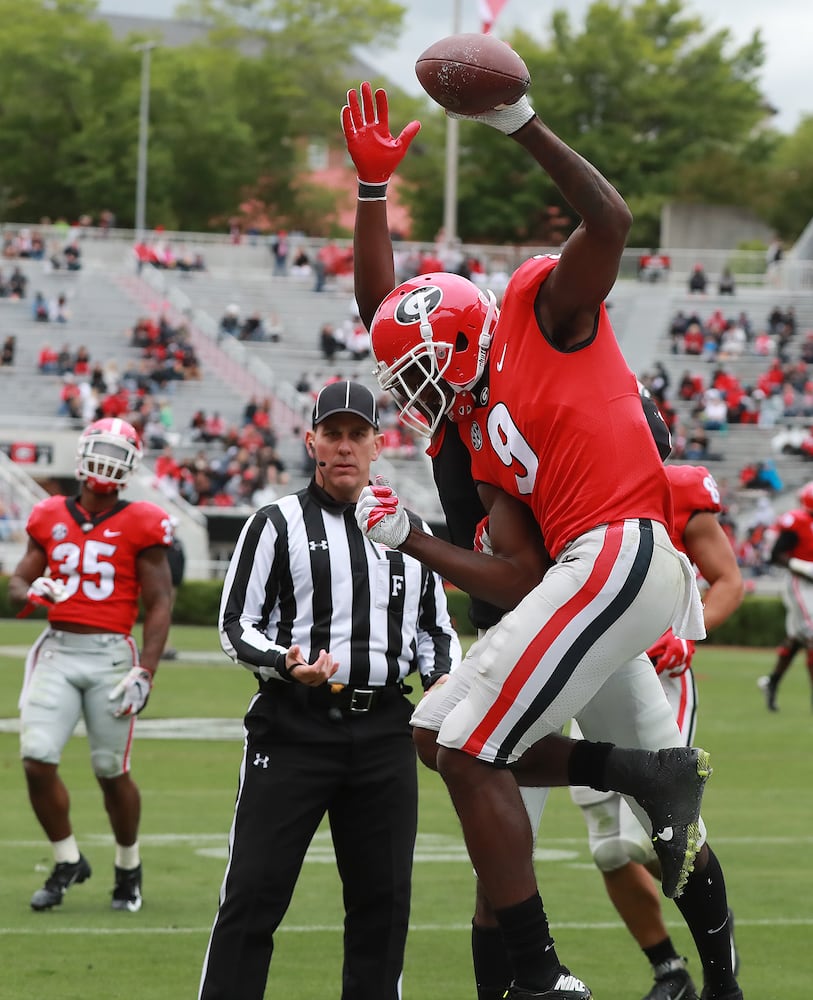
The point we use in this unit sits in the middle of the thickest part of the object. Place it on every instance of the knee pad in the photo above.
(106, 764)
(37, 744)
(615, 835)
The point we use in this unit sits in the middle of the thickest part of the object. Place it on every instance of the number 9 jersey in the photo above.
(95, 557)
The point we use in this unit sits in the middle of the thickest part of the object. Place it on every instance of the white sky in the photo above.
(786, 27)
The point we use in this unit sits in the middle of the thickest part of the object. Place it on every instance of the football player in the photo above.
(88, 561)
(621, 848)
(550, 414)
(793, 549)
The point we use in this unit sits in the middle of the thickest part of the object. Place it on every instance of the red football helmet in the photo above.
(806, 497)
(107, 455)
(430, 337)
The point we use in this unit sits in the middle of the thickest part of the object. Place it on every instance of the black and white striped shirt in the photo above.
(304, 574)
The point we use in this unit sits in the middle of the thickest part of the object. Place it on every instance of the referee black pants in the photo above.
(301, 762)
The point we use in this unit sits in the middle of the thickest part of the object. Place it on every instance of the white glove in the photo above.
(802, 567)
(134, 690)
(508, 118)
(45, 590)
(482, 539)
(380, 515)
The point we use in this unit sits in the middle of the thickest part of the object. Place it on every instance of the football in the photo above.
(471, 73)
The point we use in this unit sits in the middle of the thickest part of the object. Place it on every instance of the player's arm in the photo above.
(591, 256)
(570, 297)
(33, 565)
(376, 154)
(708, 547)
(783, 547)
(502, 580)
(155, 580)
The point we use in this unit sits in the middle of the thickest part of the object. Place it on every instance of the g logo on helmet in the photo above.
(408, 310)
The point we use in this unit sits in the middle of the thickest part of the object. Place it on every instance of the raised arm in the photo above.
(591, 257)
(376, 154)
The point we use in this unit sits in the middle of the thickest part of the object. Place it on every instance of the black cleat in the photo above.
(59, 881)
(672, 982)
(127, 890)
(768, 686)
(735, 994)
(674, 780)
(566, 987)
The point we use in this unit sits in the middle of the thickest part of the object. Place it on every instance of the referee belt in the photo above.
(350, 700)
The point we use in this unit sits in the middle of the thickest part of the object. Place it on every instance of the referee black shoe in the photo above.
(127, 890)
(59, 881)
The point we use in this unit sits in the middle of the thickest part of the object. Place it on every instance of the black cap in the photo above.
(345, 397)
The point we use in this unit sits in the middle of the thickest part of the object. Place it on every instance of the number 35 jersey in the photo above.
(96, 559)
(564, 431)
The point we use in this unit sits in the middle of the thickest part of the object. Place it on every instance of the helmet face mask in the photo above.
(107, 454)
(431, 337)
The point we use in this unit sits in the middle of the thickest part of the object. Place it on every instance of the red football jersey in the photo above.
(693, 490)
(800, 523)
(97, 559)
(573, 442)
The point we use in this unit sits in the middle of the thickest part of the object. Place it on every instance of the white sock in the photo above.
(66, 850)
(128, 857)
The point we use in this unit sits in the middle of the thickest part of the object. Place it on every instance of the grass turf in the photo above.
(757, 808)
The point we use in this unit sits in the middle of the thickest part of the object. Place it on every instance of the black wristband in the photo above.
(372, 192)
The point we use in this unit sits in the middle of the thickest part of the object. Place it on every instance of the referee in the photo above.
(331, 624)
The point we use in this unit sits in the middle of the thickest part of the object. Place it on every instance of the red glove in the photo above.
(671, 654)
(366, 127)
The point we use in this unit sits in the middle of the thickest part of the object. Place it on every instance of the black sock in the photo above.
(587, 764)
(492, 968)
(529, 944)
(661, 952)
(704, 906)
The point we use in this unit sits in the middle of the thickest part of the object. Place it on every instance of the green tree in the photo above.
(789, 182)
(642, 91)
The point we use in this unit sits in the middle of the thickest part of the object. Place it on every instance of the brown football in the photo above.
(470, 73)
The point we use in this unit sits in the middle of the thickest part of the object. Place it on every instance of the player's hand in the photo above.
(45, 591)
(310, 674)
(380, 515)
(671, 655)
(133, 690)
(366, 127)
(482, 539)
(507, 118)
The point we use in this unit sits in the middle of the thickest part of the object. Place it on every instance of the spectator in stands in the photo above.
(70, 398)
(81, 362)
(764, 345)
(230, 322)
(301, 263)
(253, 328)
(715, 411)
(39, 308)
(694, 339)
(64, 361)
(698, 280)
(677, 331)
(17, 284)
(726, 284)
(733, 342)
(73, 257)
(48, 361)
(58, 310)
(279, 251)
(214, 428)
(659, 382)
(9, 349)
(697, 444)
(329, 344)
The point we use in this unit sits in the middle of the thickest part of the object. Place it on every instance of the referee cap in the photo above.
(345, 397)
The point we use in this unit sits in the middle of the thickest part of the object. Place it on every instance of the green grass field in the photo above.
(758, 809)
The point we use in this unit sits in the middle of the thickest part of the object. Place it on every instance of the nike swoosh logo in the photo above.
(502, 358)
(110, 534)
(665, 834)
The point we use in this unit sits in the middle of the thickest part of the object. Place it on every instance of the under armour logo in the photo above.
(313, 546)
(260, 761)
